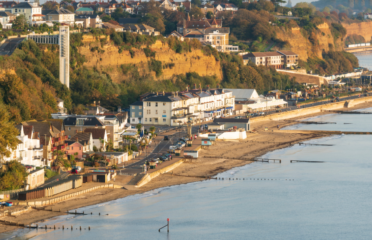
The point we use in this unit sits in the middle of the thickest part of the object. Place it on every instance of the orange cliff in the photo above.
(305, 47)
(173, 64)
(363, 29)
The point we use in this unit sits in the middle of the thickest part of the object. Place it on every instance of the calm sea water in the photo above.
(330, 200)
(365, 59)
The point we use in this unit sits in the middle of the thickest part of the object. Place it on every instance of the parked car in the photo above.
(262, 113)
(164, 158)
(74, 171)
(173, 147)
(166, 138)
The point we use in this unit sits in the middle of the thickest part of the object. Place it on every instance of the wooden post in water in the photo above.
(168, 223)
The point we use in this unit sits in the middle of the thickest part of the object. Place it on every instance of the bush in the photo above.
(49, 173)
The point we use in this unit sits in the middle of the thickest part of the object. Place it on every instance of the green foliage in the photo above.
(156, 66)
(49, 173)
(14, 177)
(149, 53)
(334, 62)
(338, 30)
(20, 23)
(354, 39)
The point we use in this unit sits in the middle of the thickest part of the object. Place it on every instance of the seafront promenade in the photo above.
(264, 137)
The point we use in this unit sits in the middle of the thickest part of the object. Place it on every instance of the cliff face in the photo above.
(311, 46)
(173, 64)
(362, 29)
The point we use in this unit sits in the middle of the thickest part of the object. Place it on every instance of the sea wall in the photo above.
(311, 110)
(109, 59)
(149, 176)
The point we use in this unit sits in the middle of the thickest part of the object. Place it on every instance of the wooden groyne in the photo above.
(313, 144)
(248, 159)
(307, 161)
(348, 112)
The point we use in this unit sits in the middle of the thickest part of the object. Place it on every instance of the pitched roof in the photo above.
(138, 103)
(198, 24)
(97, 133)
(7, 4)
(57, 123)
(84, 9)
(81, 136)
(42, 127)
(128, 20)
(25, 5)
(88, 121)
(161, 98)
(263, 54)
(243, 93)
(60, 11)
(287, 52)
(27, 130)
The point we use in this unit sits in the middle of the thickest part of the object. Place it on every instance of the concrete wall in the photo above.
(305, 111)
(233, 135)
(148, 177)
(304, 78)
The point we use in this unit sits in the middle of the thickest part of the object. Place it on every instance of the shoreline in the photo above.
(257, 144)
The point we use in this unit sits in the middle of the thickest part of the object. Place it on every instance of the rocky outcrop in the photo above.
(313, 45)
(109, 59)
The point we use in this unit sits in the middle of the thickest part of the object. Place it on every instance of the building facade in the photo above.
(279, 60)
(61, 16)
(31, 11)
(136, 112)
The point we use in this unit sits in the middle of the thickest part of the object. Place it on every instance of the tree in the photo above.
(139, 126)
(196, 12)
(277, 2)
(1, 26)
(237, 3)
(70, 8)
(327, 10)
(8, 134)
(152, 129)
(196, 2)
(14, 177)
(209, 15)
(20, 23)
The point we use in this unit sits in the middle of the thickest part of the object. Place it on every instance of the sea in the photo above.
(327, 199)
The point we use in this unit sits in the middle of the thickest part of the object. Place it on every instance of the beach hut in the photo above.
(177, 152)
(212, 137)
(206, 142)
(190, 154)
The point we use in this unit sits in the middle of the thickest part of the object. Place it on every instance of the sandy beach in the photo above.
(257, 144)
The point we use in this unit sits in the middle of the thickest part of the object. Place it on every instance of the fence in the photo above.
(11, 194)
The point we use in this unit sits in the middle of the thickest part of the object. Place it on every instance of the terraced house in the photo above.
(177, 108)
(31, 11)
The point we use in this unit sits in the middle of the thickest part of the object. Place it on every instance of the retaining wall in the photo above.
(311, 110)
(65, 197)
(148, 177)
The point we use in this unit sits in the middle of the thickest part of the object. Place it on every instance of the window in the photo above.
(69, 128)
(164, 120)
(148, 111)
(145, 119)
(140, 114)
(133, 107)
(133, 114)
(156, 111)
(68, 148)
(133, 119)
(79, 148)
(140, 107)
(148, 104)
(72, 148)
(156, 104)
(150, 119)
(69, 136)
(164, 111)
(163, 103)
(156, 120)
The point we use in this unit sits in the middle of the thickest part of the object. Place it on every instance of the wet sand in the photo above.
(257, 144)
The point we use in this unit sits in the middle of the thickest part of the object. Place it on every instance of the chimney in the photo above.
(187, 88)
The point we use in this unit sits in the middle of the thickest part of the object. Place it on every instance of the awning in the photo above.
(229, 108)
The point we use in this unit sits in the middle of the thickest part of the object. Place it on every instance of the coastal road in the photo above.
(162, 148)
(8, 47)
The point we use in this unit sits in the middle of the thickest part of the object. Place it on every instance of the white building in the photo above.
(28, 151)
(179, 107)
(31, 11)
(249, 100)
